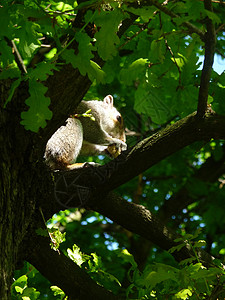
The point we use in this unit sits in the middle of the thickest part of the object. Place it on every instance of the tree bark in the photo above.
(24, 179)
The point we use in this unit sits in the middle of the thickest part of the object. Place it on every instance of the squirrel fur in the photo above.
(83, 136)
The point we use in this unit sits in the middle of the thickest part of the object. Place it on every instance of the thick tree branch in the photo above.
(89, 186)
(210, 171)
(75, 188)
(64, 273)
(137, 219)
(162, 144)
(210, 46)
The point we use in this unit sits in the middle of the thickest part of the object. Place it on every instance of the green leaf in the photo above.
(222, 251)
(128, 257)
(176, 248)
(199, 244)
(187, 261)
(187, 97)
(18, 289)
(183, 294)
(149, 101)
(30, 10)
(145, 13)
(11, 72)
(194, 268)
(57, 292)
(82, 59)
(14, 85)
(21, 281)
(19, 285)
(196, 8)
(42, 232)
(132, 73)
(214, 17)
(202, 273)
(158, 49)
(160, 273)
(42, 71)
(57, 237)
(111, 277)
(28, 38)
(106, 38)
(96, 73)
(6, 18)
(77, 256)
(38, 112)
(180, 61)
(6, 56)
(96, 260)
(30, 293)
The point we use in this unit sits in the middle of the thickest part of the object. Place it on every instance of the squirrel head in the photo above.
(114, 124)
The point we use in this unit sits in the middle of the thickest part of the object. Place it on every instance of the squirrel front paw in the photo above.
(115, 150)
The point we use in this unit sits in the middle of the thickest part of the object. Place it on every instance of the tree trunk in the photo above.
(23, 184)
(16, 208)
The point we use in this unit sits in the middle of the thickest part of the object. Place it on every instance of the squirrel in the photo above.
(84, 136)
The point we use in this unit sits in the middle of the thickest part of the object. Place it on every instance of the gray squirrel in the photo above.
(85, 136)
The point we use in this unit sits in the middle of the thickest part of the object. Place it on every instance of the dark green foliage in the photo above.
(153, 71)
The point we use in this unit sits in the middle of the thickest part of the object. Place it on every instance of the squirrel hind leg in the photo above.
(75, 166)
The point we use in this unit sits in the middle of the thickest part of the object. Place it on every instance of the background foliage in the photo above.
(153, 71)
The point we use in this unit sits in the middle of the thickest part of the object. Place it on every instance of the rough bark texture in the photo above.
(25, 181)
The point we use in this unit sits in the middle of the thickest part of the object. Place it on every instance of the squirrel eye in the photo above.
(119, 118)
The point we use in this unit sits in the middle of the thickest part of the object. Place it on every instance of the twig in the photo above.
(59, 13)
(18, 58)
(138, 32)
(210, 43)
(174, 60)
(133, 36)
(216, 1)
(220, 53)
(163, 8)
(220, 28)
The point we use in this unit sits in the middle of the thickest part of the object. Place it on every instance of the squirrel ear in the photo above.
(108, 100)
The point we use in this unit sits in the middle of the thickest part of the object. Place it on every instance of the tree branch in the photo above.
(89, 187)
(210, 45)
(75, 188)
(210, 171)
(137, 219)
(160, 145)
